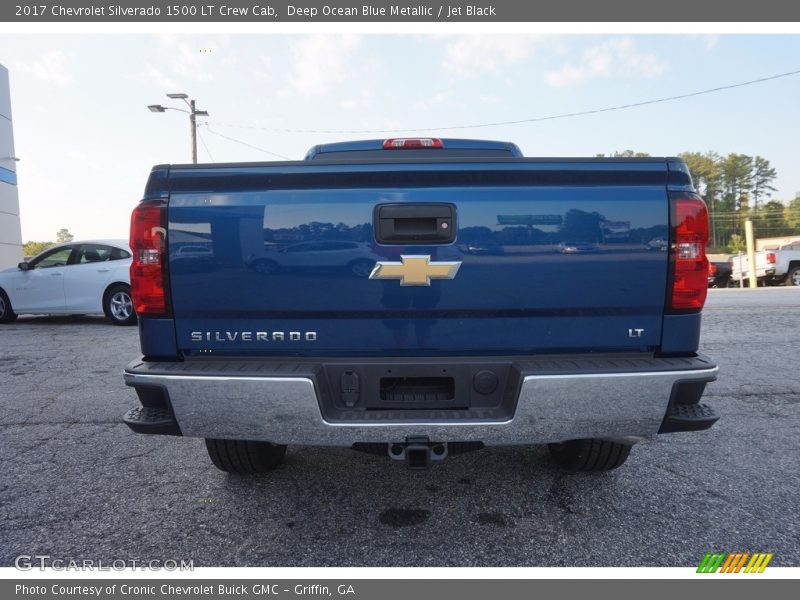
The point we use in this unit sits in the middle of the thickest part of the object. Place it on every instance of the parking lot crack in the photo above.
(708, 491)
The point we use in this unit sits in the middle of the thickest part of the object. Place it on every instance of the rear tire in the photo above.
(244, 457)
(118, 305)
(590, 455)
(793, 277)
(7, 314)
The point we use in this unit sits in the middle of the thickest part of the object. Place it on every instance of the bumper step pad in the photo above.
(688, 417)
(152, 420)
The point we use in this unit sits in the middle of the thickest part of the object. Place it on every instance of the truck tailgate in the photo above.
(554, 257)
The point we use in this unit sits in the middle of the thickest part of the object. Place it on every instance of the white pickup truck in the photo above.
(773, 267)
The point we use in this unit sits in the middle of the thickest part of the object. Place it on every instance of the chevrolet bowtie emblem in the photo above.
(415, 270)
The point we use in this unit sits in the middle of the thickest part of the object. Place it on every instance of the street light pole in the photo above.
(193, 114)
(193, 124)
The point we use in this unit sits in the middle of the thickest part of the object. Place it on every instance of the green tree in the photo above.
(707, 177)
(625, 154)
(763, 176)
(33, 248)
(734, 204)
(770, 220)
(792, 214)
(737, 181)
(63, 236)
(737, 244)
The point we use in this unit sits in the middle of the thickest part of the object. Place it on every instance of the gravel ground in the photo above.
(77, 484)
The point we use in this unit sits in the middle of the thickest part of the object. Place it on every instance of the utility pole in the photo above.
(193, 114)
(193, 124)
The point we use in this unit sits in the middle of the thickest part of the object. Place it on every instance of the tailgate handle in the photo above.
(415, 223)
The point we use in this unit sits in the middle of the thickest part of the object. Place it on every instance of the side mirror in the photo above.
(23, 266)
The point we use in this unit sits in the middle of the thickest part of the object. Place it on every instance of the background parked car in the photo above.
(773, 267)
(87, 277)
(660, 244)
(576, 247)
(355, 258)
(719, 274)
(192, 258)
(483, 248)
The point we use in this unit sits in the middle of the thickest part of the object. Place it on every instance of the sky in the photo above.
(87, 141)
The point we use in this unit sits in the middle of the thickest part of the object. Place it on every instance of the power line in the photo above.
(765, 214)
(203, 141)
(534, 119)
(222, 135)
(760, 213)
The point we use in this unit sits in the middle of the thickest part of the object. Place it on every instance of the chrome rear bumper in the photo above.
(550, 407)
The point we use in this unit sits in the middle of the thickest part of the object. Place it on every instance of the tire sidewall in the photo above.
(793, 278)
(7, 314)
(130, 320)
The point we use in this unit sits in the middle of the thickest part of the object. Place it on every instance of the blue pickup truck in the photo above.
(420, 298)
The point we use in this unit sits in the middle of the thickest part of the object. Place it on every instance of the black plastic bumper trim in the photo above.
(157, 421)
(688, 417)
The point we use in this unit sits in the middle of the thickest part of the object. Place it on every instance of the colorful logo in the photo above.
(415, 270)
(734, 562)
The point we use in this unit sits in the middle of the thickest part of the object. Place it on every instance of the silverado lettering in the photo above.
(250, 336)
(424, 296)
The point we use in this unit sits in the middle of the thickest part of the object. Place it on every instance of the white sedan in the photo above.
(90, 277)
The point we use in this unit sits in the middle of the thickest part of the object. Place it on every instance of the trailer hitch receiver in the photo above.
(418, 452)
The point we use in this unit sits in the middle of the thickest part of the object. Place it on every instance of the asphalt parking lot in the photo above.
(76, 484)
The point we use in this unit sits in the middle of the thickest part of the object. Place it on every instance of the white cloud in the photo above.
(83, 160)
(432, 101)
(614, 58)
(472, 54)
(51, 67)
(709, 41)
(358, 99)
(318, 63)
(184, 59)
(157, 76)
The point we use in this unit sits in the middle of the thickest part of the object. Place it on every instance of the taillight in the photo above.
(405, 143)
(712, 269)
(771, 258)
(148, 276)
(688, 252)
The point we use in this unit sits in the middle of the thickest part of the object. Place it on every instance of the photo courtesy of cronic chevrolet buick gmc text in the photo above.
(465, 330)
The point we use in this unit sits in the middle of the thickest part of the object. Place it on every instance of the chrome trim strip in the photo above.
(550, 408)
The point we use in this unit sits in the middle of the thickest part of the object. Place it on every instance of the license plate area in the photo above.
(414, 392)
(469, 389)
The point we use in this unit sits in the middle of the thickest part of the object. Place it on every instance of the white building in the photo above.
(10, 232)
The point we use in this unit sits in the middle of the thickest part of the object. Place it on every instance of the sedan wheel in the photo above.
(119, 306)
(6, 313)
